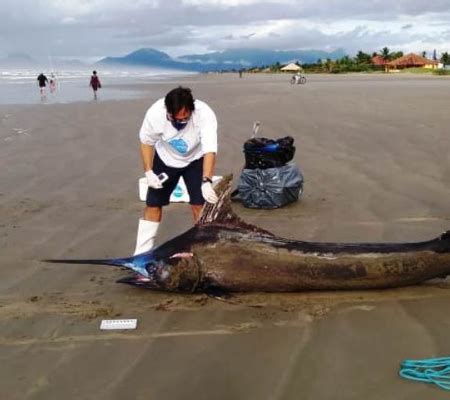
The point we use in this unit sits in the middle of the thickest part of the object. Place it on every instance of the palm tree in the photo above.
(445, 59)
(363, 58)
(345, 60)
(328, 65)
(386, 54)
(396, 54)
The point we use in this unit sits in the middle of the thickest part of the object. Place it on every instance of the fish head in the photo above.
(179, 272)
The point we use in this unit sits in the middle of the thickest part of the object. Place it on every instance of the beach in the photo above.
(375, 153)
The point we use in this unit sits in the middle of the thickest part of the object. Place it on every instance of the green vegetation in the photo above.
(417, 70)
(362, 62)
(441, 72)
(445, 59)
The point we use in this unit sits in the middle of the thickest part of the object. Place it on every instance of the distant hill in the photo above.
(259, 57)
(148, 58)
(140, 57)
(17, 60)
(226, 60)
(73, 63)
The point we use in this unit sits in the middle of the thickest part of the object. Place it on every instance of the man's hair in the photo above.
(94, 72)
(179, 98)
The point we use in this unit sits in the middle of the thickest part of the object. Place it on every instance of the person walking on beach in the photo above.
(178, 138)
(52, 84)
(95, 83)
(42, 82)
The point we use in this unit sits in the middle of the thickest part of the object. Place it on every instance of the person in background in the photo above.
(95, 83)
(178, 138)
(52, 84)
(42, 83)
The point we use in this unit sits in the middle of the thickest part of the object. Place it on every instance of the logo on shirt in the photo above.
(179, 145)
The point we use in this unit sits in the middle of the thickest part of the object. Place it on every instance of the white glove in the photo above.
(153, 180)
(208, 193)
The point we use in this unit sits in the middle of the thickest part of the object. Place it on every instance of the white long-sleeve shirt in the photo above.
(179, 148)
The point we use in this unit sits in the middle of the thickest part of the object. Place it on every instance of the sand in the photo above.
(375, 152)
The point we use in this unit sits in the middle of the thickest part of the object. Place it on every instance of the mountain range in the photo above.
(20, 60)
(217, 61)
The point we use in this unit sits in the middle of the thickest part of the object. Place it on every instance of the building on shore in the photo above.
(412, 61)
(380, 62)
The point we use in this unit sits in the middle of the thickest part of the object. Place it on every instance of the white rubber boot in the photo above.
(146, 235)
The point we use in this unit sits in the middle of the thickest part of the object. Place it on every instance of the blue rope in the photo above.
(432, 370)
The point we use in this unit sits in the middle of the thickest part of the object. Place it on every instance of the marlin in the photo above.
(223, 253)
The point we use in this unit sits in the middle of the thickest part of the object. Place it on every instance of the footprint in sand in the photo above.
(361, 307)
(21, 131)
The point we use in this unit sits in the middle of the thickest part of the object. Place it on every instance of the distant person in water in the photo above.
(42, 82)
(95, 83)
(52, 84)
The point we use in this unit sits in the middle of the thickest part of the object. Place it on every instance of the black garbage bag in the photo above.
(265, 153)
(269, 188)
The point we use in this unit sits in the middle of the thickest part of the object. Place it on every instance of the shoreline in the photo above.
(76, 89)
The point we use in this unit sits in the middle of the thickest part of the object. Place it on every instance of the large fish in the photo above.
(221, 252)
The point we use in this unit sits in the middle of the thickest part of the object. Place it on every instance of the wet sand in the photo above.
(375, 152)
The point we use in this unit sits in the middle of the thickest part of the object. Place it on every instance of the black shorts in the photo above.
(192, 175)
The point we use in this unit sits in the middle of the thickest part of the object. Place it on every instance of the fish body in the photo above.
(221, 252)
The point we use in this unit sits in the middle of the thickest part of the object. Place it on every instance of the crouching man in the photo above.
(178, 138)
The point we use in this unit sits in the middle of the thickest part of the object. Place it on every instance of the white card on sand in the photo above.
(110, 324)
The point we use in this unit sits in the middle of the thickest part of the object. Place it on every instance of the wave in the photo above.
(27, 75)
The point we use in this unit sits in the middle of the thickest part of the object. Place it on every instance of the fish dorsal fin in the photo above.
(221, 213)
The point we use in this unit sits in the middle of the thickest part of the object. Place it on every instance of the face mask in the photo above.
(179, 125)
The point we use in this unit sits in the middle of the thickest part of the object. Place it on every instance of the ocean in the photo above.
(20, 86)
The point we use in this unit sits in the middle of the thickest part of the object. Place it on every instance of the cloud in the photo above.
(112, 27)
(246, 37)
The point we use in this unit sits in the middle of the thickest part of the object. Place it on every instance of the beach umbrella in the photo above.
(291, 68)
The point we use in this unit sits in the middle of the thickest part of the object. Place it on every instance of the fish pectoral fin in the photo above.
(182, 255)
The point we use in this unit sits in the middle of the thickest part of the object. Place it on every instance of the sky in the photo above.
(91, 29)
